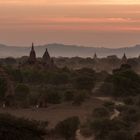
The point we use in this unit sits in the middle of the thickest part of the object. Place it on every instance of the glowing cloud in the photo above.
(63, 2)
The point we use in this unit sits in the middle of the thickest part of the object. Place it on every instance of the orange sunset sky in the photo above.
(95, 23)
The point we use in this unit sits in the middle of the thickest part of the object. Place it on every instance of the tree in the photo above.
(69, 95)
(84, 83)
(109, 105)
(120, 135)
(68, 127)
(59, 78)
(14, 73)
(80, 97)
(12, 128)
(102, 127)
(101, 112)
(131, 114)
(129, 101)
(125, 83)
(10, 61)
(22, 93)
(3, 88)
(53, 97)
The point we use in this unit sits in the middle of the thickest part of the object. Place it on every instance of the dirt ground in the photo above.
(56, 113)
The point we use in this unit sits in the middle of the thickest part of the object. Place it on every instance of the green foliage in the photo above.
(22, 93)
(52, 94)
(84, 83)
(54, 97)
(102, 127)
(126, 83)
(122, 83)
(80, 97)
(10, 61)
(109, 105)
(120, 135)
(55, 85)
(86, 72)
(128, 101)
(68, 127)
(32, 76)
(104, 89)
(101, 113)
(12, 128)
(34, 97)
(84, 79)
(3, 87)
(15, 74)
(131, 114)
(69, 95)
(57, 78)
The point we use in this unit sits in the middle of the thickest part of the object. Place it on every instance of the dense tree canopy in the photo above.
(3, 87)
(68, 127)
(12, 128)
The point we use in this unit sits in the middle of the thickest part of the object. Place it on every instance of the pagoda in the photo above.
(124, 59)
(47, 60)
(32, 57)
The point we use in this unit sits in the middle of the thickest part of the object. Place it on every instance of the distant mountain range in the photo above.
(68, 51)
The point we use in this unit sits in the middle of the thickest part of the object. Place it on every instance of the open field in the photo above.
(56, 113)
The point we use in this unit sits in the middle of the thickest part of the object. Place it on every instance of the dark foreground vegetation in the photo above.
(42, 88)
(123, 85)
(12, 128)
(34, 87)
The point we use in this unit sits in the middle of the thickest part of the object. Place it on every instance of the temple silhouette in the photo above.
(46, 62)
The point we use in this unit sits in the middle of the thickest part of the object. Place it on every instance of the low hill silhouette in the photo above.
(68, 51)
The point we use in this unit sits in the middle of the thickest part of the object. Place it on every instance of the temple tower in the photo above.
(47, 61)
(95, 57)
(32, 57)
(124, 59)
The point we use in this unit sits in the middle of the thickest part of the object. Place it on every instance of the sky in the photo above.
(94, 23)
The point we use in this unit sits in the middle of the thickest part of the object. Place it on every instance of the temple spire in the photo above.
(47, 60)
(32, 46)
(124, 59)
(32, 57)
(95, 56)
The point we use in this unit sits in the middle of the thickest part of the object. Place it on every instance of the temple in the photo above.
(46, 61)
(124, 59)
(32, 57)
(95, 57)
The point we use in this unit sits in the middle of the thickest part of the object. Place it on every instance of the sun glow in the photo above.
(88, 22)
(68, 2)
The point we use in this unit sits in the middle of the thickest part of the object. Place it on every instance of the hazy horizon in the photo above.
(29, 45)
(105, 23)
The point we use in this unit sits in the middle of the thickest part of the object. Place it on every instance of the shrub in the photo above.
(101, 113)
(68, 95)
(22, 94)
(120, 135)
(3, 88)
(128, 101)
(84, 83)
(68, 127)
(102, 127)
(80, 97)
(110, 105)
(12, 128)
(54, 97)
